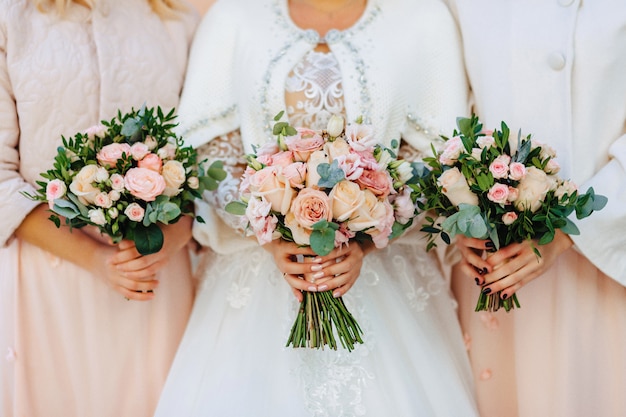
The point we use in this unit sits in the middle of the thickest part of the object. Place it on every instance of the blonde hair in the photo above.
(164, 8)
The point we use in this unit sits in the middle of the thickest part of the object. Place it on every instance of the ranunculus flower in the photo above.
(455, 187)
(312, 176)
(138, 150)
(96, 216)
(452, 151)
(509, 217)
(152, 162)
(304, 143)
(532, 190)
(517, 171)
(144, 184)
(360, 137)
(311, 206)
(110, 154)
(379, 182)
(174, 175)
(271, 184)
(346, 198)
(296, 174)
(103, 200)
(499, 167)
(55, 189)
(335, 126)
(498, 193)
(134, 212)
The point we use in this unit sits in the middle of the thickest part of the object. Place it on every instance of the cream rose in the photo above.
(82, 184)
(272, 185)
(532, 190)
(346, 198)
(455, 187)
(369, 214)
(336, 148)
(134, 212)
(312, 176)
(174, 175)
(300, 235)
(144, 184)
(167, 152)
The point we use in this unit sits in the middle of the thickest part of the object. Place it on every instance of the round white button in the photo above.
(556, 60)
(566, 3)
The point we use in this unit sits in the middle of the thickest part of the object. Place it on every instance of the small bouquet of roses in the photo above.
(323, 190)
(486, 188)
(124, 176)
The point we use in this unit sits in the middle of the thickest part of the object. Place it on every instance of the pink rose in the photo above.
(532, 190)
(110, 154)
(144, 184)
(117, 182)
(404, 207)
(379, 182)
(103, 200)
(55, 189)
(360, 137)
(268, 148)
(271, 184)
(499, 168)
(509, 218)
(452, 151)
(139, 150)
(311, 206)
(517, 171)
(152, 162)
(282, 159)
(134, 212)
(380, 234)
(296, 174)
(304, 143)
(498, 193)
(454, 186)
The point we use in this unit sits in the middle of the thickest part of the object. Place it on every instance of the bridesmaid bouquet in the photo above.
(124, 176)
(323, 190)
(485, 187)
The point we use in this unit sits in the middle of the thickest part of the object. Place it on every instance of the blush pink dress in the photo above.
(71, 346)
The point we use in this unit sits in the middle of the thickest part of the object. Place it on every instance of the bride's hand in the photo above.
(339, 269)
(286, 256)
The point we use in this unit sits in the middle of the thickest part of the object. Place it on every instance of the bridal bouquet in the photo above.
(124, 176)
(485, 187)
(323, 190)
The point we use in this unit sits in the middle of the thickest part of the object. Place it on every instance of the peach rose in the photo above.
(110, 154)
(144, 184)
(271, 184)
(532, 190)
(311, 206)
(281, 159)
(379, 182)
(134, 212)
(152, 162)
(174, 175)
(346, 198)
(454, 186)
(304, 143)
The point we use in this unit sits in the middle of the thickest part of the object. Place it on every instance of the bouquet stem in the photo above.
(493, 302)
(320, 319)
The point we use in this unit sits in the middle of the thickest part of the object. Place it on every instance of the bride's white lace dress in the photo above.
(233, 360)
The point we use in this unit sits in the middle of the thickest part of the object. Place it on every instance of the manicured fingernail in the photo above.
(318, 274)
(477, 281)
(323, 287)
(487, 290)
(317, 260)
(505, 296)
(490, 244)
(337, 294)
(312, 288)
(317, 267)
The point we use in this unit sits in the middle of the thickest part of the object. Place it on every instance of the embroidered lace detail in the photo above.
(314, 91)
(229, 149)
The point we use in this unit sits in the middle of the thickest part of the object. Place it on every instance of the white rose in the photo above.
(532, 189)
(96, 216)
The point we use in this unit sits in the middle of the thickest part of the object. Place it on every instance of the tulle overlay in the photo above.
(411, 363)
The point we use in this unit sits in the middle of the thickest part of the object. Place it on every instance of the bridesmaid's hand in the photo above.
(517, 264)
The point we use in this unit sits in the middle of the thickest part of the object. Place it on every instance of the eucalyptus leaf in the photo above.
(148, 239)
(323, 241)
(131, 126)
(65, 208)
(236, 207)
(330, 174)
